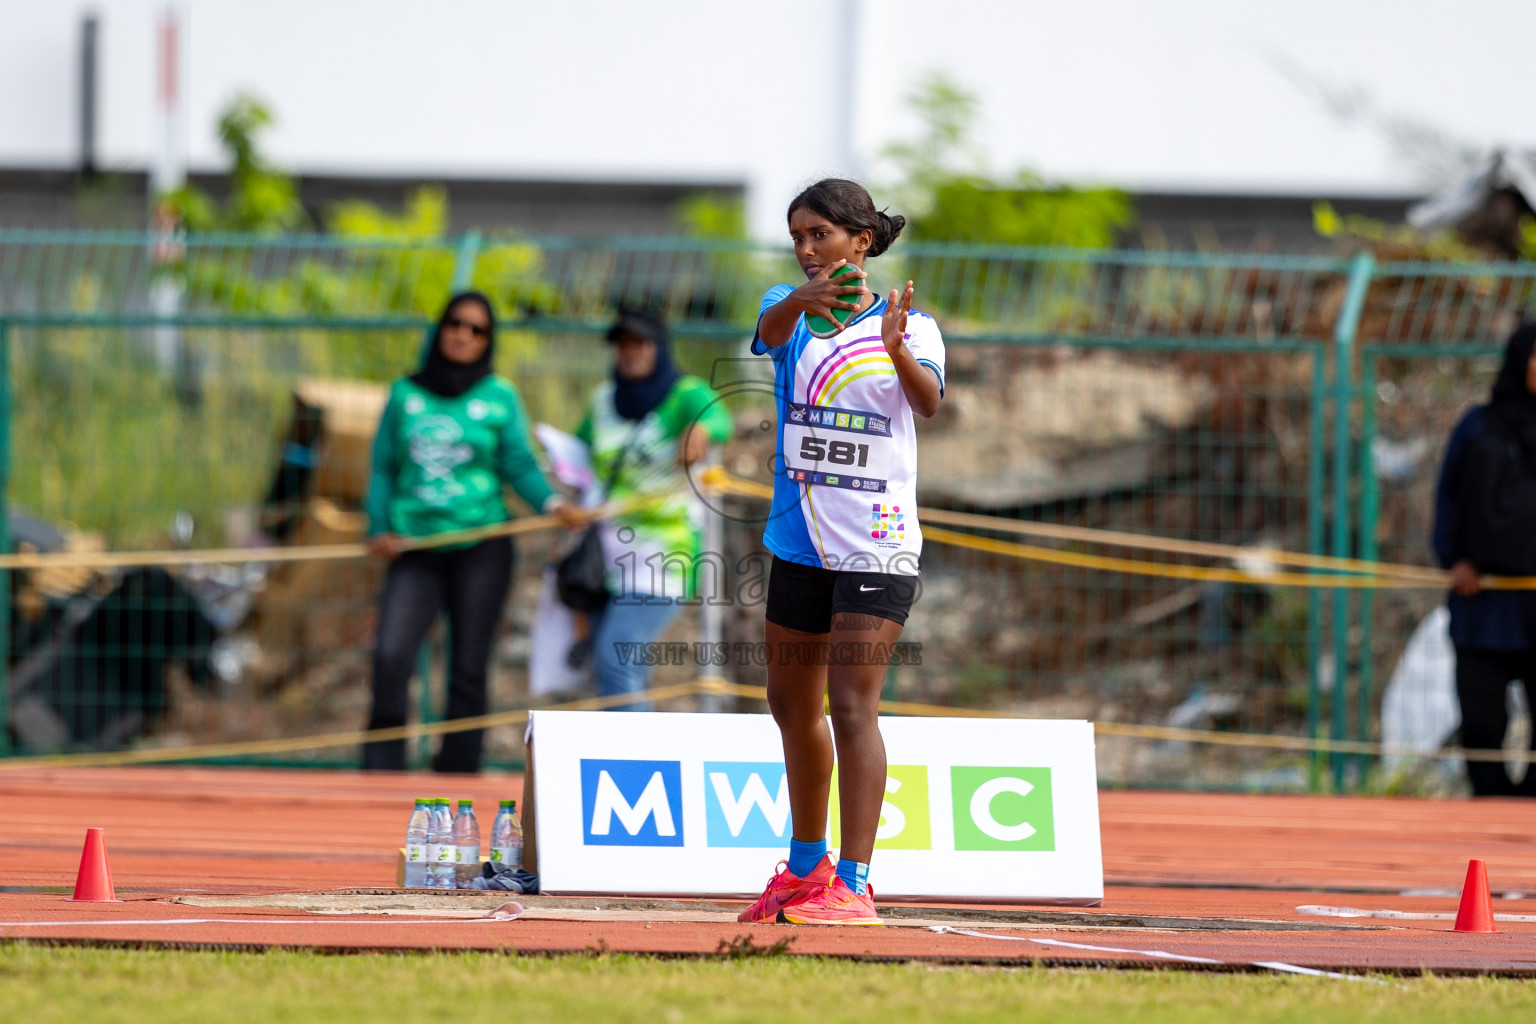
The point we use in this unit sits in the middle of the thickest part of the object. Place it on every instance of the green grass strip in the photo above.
(41, 985)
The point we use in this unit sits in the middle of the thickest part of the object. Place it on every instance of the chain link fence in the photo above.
(222, 391)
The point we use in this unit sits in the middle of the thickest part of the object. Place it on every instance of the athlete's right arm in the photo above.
(817, 297)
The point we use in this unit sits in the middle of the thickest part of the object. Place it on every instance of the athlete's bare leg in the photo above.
(797, 688)
(854, 697)
(796, 695)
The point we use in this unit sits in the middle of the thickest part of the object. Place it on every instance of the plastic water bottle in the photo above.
(507, 837)
(440, 849)
(416, 834)
(466, 839)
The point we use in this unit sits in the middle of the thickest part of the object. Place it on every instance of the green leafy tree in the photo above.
(414, 276)
(948, 194)
(710, 215)
(952, 197)
(1387, 240)
(944, 149)
(722, 284)
(1025, 211)
(261, 198)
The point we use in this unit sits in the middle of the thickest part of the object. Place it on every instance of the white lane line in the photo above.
(1318, 910)
(243, 920)
(1270, 965)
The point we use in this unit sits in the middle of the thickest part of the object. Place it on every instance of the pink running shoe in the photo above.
(784, 889)
(834, 903)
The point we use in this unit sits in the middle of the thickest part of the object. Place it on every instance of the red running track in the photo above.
(1167, 854)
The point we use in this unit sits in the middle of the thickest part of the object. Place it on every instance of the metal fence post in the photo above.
(5, 536)
(1344, 330)
(1370, 508)
(711, 610)
(1317, 485)
(464, 260)
(422, 755)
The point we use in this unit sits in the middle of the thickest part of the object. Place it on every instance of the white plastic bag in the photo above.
(1419, 709)
(554, 633)
(570, 460)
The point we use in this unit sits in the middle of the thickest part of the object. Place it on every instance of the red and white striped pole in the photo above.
(167, 174)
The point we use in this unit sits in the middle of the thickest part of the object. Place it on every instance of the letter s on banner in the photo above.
(892, 821)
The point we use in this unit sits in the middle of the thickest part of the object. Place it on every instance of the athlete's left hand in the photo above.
(893, 322)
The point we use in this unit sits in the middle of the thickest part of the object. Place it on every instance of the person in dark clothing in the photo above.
(1490, 467)
(452, 437)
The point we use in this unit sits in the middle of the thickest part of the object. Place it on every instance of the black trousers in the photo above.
(471, 585)
(1482, 679)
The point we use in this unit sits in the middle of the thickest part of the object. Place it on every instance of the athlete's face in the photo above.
(465, 332)
(1530, 374)
(820, 243)
(634, 356)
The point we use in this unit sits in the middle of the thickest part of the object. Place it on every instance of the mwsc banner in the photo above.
(697, 804)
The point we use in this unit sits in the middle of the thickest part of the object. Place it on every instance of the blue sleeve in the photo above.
(381, 481)
(1471, 426)
(775, 295)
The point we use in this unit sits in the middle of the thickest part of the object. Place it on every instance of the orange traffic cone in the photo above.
(1476, 911)
(93, 884)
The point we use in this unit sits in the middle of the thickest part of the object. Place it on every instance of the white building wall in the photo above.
(1182, 93)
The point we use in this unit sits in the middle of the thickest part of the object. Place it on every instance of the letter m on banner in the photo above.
(632, 803)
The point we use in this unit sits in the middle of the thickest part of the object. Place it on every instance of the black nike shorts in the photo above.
(805, 597)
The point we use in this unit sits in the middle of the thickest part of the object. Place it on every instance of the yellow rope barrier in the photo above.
(1178, 572)
(1350, 573)
(712, 687)
(302, 553)
(1300, 744)
(322, 741)
(1379, 575)
(1374, 575)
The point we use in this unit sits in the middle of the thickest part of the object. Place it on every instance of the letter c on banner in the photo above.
(981, 809)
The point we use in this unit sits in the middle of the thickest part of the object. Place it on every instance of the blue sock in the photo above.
(854, 875)
(803, 857)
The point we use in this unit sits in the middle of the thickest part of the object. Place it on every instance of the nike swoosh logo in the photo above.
(866, 590)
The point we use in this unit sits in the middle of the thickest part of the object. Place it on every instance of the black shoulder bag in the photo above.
(581, 576)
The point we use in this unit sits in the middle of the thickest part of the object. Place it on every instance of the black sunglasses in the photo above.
(478, 330)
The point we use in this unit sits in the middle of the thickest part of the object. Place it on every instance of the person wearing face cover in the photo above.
(645, 427)
(452, 437)
(1485, 524)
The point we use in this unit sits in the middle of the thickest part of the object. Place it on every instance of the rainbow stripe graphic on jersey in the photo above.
(845, 364)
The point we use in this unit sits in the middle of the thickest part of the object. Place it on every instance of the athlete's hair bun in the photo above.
(886, 231)
(848, 205)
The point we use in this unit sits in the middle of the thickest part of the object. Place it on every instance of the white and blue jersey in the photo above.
(845, 487)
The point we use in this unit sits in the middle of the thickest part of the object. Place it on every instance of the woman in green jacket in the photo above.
(452, 437)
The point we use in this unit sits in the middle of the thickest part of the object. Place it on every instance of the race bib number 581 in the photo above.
(835, 447)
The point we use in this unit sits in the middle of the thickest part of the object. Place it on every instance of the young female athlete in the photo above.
(844, 537)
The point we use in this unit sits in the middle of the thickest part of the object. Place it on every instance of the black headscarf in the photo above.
(634, 398)
(1512, 406)
(441, 375)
